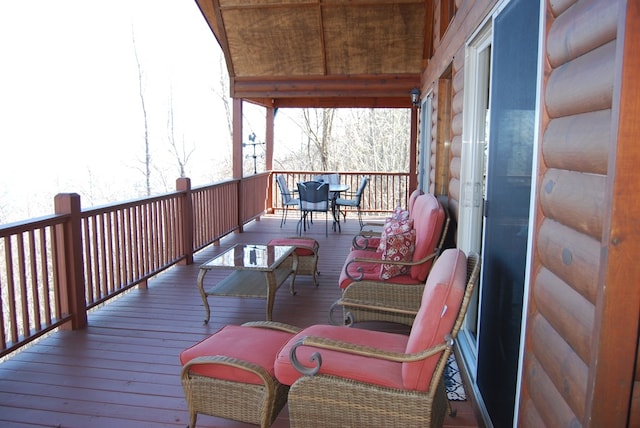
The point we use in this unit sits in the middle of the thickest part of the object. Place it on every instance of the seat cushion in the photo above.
(439, 309)
(370, 271)
(428, 220)
(295, 242)
(363, 369)
(256, 345)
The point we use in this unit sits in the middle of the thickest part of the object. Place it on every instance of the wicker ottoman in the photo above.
(230, 374)
(307, 251)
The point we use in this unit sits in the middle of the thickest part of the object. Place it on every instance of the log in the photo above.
(572, 256)
(557, 7)
(454, 190)
(579, 142)
(456, 146)
(574, 199)
(582, 28)
(566, 370)
(456, 125)
(529, 417)
(457, 105)
(568, 312)
(551, 407)
(458, 77)
(582, 85)
(454, 167)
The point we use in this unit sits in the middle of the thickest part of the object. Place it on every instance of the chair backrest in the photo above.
(444, 304)
(412, 199)
(361, 187)
(333, 178)
(284, 190)
(314, 196)
(428, 220)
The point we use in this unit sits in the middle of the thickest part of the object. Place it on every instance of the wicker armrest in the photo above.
(264, 376)
(350, 348)
(436, 253)
(273, 325)
(355, 303)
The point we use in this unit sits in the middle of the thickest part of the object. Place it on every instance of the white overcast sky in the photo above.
(69, 104)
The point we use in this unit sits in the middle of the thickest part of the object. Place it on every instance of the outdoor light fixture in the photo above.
(415, 97)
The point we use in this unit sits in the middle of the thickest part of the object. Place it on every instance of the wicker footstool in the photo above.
(307, 251)
(230, 374)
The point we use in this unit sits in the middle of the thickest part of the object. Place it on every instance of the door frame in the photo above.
(473, 166)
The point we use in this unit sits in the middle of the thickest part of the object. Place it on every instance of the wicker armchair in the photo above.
(369, 236)
(364, 378)
(368, 297)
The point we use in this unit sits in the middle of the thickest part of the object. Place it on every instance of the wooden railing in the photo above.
(55, 268)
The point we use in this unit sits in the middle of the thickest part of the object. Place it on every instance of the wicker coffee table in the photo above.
(257, 272)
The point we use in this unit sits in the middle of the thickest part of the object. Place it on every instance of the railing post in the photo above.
(183, 184)
(70, 261)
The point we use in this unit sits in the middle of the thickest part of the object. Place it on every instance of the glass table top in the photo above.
(250, 256)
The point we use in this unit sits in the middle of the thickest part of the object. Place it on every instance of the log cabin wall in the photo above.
(570, 321)
(563, 377)
(455, 150)
(447, 63)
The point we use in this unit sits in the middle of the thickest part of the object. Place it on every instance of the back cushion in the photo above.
(412, 199)
(439, 309)
(428, 220)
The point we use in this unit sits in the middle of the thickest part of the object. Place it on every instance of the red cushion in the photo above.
(371, 242)
(371, 271)
(349, 366)
(412, 200)
(399, 248)
(295, 242)
(439, 309)
(256, 345)
(428, 220)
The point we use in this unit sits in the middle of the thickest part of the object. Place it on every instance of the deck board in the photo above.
(123, 369)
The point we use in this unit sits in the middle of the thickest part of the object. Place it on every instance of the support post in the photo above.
(183, 184)
(70, 261)
(413, 151)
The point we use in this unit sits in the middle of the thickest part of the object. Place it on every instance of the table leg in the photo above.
(201, 275)
(272, 287)
(294, 272)
(336, 218)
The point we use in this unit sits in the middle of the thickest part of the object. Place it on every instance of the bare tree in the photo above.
(180, 152)
(318, 126)
(147, 150)
(350, 140)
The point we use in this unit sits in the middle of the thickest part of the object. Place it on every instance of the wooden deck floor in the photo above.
(123, 370)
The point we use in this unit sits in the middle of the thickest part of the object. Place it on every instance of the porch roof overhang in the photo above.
(322, 53)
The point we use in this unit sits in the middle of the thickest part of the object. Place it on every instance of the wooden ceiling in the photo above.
(322, 53)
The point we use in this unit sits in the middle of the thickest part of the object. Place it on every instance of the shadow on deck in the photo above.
(123, 370)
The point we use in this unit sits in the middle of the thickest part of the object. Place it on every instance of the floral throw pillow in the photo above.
(399, 248)
(400, 214)
(393, 227)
